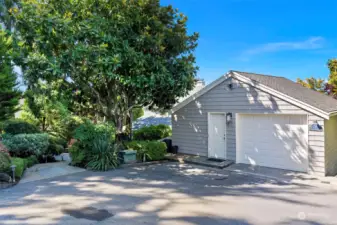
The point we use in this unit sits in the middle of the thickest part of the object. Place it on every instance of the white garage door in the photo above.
(278, 141)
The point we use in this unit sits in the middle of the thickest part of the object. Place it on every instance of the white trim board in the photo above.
(259, 86)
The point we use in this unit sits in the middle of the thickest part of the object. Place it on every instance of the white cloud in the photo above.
(310, 43)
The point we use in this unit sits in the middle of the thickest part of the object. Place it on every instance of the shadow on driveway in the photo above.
(168, 193)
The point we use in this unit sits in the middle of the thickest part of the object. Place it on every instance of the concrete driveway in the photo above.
(164, 194)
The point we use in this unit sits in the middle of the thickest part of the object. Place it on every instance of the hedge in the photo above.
(14, 127)
(24, 145)
(154, 150)
(154, 132)
(20, 164)
(31, 161)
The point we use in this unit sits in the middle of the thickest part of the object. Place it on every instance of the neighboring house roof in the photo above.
(313, 101)
(154, 118)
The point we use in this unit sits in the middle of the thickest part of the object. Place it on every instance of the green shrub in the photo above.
(88, 131)
(57, 141)
(24, 145)
(70, 124)
(137, 113)
(86, 134)
(55, 149)
(5, 162)
(153, 150)
(154, 132)
(14, 127)
(156, 150)
(78, 155)
(56, 145)
(104, 155)
(31, 161)
(20, 164)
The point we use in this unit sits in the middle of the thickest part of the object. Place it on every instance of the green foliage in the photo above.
(14, 127)
(88, 131)
(320, 85)
(5, 16)
(24, 145)
(47, 108)
(57, 141)
(87, 135)
(153, 150)
(117, 54)
(154, 132)
(20, 164)
(137, 113)
(31, 161)
(104, 155)
(9, 94)
(70, 125)
(332, 65)
(313, 83)
(55, 149)
(78, 155)
(5, 162)
(3, 148)
(56, 145)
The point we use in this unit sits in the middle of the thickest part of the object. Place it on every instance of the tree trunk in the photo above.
(43, 124)
(131, 120)
(118, 122)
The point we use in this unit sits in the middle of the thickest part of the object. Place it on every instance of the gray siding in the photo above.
(331, 146)
(316, 147)
(189, 124)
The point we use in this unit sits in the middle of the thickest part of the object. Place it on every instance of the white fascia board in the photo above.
(282, 96)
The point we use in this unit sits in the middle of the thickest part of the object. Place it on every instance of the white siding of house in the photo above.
(190, 129)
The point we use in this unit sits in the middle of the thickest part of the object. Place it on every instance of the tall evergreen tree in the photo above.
(9, 94)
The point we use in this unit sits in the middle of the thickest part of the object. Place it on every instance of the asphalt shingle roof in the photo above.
(294, 90)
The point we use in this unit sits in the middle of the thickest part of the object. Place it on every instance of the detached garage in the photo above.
(259, 120)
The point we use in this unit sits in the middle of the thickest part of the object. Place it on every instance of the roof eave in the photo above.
(287, 98)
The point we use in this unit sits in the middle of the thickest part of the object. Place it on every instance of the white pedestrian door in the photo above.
(217, 136)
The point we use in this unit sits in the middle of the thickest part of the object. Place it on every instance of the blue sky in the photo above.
(290, 38)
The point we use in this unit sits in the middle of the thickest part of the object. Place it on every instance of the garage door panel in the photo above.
(281, 161)
(275, 155)
(278, 141)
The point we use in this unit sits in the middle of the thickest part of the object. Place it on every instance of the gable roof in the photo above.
(285, 89)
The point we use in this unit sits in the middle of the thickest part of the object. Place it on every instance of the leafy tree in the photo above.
(9, 94)
(46, 107)
(313, 83)
(332, 65)
(121, 54)
(6, 6)
(331, 87)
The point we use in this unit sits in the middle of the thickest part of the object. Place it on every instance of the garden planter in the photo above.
(128, 156)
